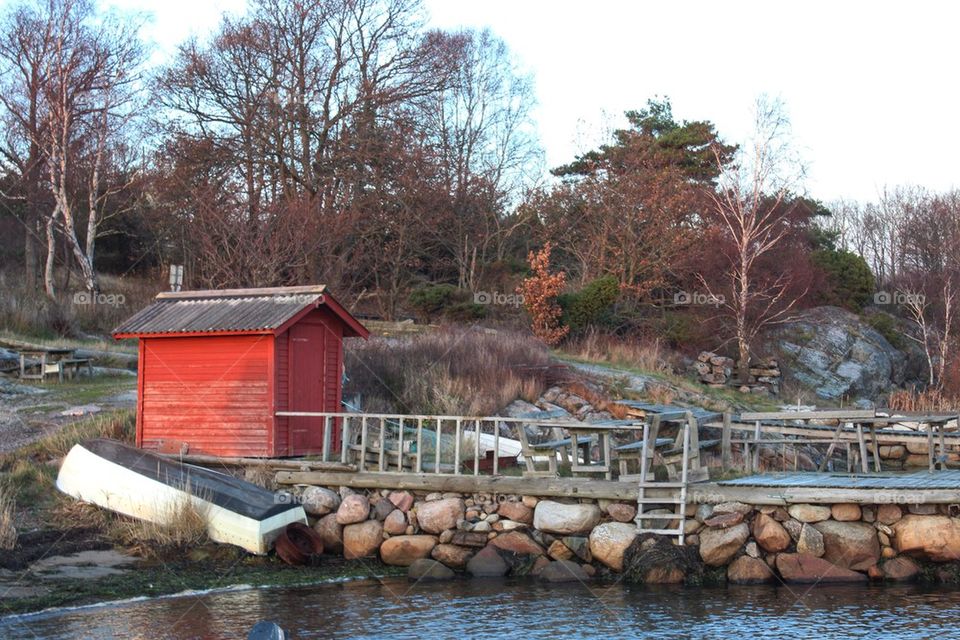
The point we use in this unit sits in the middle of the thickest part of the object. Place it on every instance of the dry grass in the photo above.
(184, 526)
(926, 401)
(449, 371)
(116, 425)
(643, 355)
(24, 310)
(8, 529)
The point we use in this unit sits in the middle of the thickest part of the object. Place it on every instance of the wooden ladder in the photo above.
(678, 496)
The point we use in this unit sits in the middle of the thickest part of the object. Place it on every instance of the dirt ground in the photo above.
(30, 410)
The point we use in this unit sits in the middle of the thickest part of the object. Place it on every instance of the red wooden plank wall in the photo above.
(211, 392)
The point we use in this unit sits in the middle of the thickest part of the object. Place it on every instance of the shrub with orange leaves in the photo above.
(540, 293)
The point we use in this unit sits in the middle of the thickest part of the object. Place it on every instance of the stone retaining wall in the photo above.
(558, 539)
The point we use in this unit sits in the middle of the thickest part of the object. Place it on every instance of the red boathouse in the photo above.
(216, 366)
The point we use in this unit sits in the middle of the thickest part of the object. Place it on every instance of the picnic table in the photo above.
(52, 360)
(602, 432)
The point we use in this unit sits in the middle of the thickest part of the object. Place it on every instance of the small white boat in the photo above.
(150, 487)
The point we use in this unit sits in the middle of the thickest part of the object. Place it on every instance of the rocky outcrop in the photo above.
(836, 354)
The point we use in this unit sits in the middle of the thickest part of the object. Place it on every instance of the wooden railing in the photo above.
(437, 444)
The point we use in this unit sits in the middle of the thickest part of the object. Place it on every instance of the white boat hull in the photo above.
(89, 477)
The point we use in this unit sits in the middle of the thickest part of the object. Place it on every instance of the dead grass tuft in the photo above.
(449, 371)
(116, 425)
(8, 529)
(635, 354)
(184, 526)
(926, 401)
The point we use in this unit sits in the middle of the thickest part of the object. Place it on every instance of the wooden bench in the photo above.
(69, 368)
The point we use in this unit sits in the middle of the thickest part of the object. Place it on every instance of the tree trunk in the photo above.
(48, 277)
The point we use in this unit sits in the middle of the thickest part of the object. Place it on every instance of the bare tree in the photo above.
(752, 209)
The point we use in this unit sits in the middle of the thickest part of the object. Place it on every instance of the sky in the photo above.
(870, 87)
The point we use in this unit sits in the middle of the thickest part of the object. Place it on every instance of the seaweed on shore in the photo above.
(655, 559)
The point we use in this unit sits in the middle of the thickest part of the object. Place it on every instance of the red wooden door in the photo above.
(306, 387)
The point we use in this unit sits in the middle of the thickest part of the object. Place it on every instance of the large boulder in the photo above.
(556, 517)
(426, 569)
(610, 540)
(452, 555)
(718, 546)
(837, 354)
(331, 532)
(401, 551)
(809, 512)
(804, 568)
(438, 515)
(362, 539)
(563, 571)
(487, 563)
(935, 538)
(517, 542)
(319, 501)
(747, 570)
(354, 508)
(810, 541)
(770, 534)
(395, 523)
(516, 511)
(900, 569)
(852, 545)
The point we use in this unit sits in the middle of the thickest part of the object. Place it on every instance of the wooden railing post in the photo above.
(456, 449)
(726, 455)
(419, 445)
(383, 445)
(436, 451)
(400, 447)
(496, 448)
(362, 463)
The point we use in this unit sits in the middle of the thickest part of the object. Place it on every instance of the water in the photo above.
(525, 609)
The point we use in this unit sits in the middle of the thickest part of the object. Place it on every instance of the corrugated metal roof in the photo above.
(202, 311)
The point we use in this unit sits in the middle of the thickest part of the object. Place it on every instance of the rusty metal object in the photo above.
(298, 544)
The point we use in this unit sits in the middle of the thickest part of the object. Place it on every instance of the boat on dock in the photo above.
(151, 487)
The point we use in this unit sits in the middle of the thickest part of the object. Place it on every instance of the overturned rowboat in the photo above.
(149, 487)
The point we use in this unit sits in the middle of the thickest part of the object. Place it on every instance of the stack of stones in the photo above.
(438, 535)
(719, 371)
